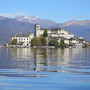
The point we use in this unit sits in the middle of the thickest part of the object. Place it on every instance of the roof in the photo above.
(53, 29)
(37, 24)
(53, 38)
(45, 29)
(30, 32)
(72, 39)
(22, 35)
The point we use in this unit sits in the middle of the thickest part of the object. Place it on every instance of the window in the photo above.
(37, 26)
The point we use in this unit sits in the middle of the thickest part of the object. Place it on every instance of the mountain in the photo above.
(81, 28)
(78, 27)
(76, 22)
(9, 27)
(25, 24)
(34, 19)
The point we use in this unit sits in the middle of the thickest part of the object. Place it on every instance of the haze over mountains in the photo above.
(25, 24)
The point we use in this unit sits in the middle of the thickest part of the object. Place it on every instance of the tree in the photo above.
(45, 34)
(62, 44)
(14, 42)
(35, 42)
(54, 43)
(43, 41)
(51, 43)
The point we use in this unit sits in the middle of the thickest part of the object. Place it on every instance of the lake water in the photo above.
(44, 69)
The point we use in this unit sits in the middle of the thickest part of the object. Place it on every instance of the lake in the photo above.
(45, 69)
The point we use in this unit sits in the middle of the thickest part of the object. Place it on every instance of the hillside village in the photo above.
(54, 36)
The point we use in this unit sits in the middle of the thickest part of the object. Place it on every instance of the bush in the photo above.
(54, 43)
(14, 42)
(35, 42)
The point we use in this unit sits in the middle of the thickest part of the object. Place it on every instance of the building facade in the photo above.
(37, 30)
(23, 39)
(55, 32)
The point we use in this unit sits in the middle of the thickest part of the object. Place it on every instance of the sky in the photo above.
(59, 11)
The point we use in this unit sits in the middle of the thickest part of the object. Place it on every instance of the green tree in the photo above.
(54, 43)
(62, 44)
(14, 42)
(35, 42)
(45, 34)
(43, 41)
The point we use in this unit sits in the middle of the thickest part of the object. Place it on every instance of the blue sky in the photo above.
(57, 10)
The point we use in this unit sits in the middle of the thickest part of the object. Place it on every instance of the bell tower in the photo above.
(37, 30)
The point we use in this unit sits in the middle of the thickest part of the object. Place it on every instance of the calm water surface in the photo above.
(44, 69)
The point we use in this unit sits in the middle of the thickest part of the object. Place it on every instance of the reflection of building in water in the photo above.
(56, 57)
(22, 58)
(41, 59)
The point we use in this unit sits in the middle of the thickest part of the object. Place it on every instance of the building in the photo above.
(60, 33)
(23, 39)
(79, 45)
(37, 30)
(55, 32)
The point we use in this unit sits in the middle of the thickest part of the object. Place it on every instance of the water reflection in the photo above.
(55, 68)
(27, 60)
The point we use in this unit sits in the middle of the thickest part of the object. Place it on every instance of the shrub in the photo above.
(14, 42)
(54, 43)
(35, 42)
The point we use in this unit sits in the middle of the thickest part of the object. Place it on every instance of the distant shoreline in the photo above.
(38, 47)
(28, 47)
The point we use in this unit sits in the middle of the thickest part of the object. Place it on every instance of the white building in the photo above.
(70, 41)
(55, 32)
(79, 45)
(23, 38)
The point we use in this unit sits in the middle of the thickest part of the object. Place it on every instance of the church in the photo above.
(55, 32)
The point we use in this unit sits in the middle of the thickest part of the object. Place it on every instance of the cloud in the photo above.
(12, 15)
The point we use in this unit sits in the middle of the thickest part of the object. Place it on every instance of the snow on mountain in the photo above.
(34, 19)
(25, 17)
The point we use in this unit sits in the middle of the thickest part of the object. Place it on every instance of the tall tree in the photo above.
(43, 41)
(45, 34)
(62, 44)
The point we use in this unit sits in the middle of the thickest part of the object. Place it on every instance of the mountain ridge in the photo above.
(11, 26)
(77, 22)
